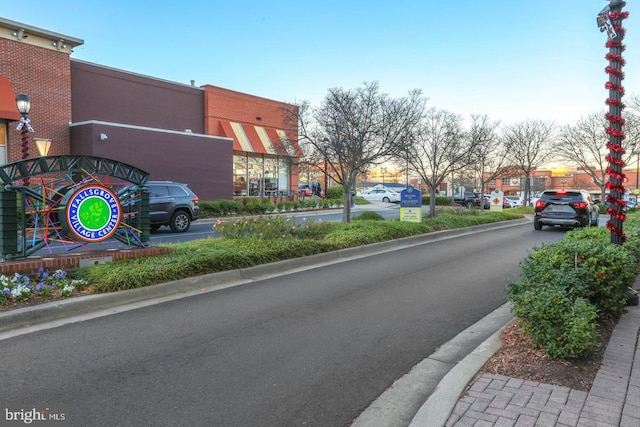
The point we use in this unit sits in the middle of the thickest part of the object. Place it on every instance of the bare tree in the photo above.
(580, 181)
(353, 129)
(584, 144)
(528, 145)
(488, 152)
(634, 103)
(438, 149)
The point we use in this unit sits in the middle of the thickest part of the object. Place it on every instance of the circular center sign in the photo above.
(92, 213)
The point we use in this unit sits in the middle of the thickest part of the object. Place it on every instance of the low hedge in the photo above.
(256, 206)
(567, 286)
(247, 242)
(440, 200)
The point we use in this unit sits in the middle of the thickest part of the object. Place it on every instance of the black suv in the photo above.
(566, 208)
(173, 204)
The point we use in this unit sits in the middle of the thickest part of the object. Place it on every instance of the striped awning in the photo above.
(259, 139)
(8, 109)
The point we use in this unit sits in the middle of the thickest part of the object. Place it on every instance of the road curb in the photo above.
(437, 409)
(429, 392)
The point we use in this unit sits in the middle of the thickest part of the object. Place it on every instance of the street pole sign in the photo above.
(496, 199)
(411, 205)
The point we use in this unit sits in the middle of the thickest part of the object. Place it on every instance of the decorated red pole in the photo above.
(24, 133)
(23, 103)
(610, 20)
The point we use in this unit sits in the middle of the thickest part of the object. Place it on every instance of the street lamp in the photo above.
(610, 20)
(43, 146)
(563, 182)
(636, 191)
(23, 102)
(383, 171)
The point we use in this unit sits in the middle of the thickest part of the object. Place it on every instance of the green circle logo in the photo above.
(92, 214)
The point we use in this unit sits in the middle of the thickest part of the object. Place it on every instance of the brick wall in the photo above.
(240, 107)
(44, 75)
(67, 262)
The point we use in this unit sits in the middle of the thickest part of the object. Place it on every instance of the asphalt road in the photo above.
(315, 347)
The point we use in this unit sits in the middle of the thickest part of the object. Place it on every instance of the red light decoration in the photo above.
(614, 87)
(615, 57)
(613, 72)
(615, 119)
(617, 178)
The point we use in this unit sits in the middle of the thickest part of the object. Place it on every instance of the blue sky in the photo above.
(512, 60)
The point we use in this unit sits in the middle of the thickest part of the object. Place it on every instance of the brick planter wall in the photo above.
(69, 261)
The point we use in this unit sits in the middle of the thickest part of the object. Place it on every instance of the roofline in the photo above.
(145, 76)
(145, 128)
(251, 95)
(41, 32)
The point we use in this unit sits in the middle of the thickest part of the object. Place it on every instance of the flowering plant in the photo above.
(21, 288)
(272, 227)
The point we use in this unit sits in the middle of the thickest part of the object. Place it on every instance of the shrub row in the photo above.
(567, 286)
(440, 200)
(247, 242)
(222, 208)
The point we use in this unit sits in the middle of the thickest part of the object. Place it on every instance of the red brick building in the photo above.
(220, 142)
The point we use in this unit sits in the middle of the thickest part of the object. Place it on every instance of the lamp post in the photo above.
(43, 146)
(636, 191)
(563, 182)
(23, 102)
(407, 173)
(326, 169)
(383, 171)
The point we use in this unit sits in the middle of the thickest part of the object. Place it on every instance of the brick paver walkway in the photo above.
(614, 399)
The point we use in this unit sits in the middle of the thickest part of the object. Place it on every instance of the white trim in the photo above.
(120, 125)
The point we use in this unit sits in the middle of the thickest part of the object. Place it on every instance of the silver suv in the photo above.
(566, 208)
(173, 204)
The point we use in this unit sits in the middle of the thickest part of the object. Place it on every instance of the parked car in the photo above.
(486, 201)
(381, 195)
(514, 201)
(304, 190)
(170, 203)
(468, 199)
(566, 208)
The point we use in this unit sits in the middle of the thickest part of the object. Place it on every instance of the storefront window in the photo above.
(260, 177)
(270, 177)
(283, 176)
(255, 176)
(240, 182)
